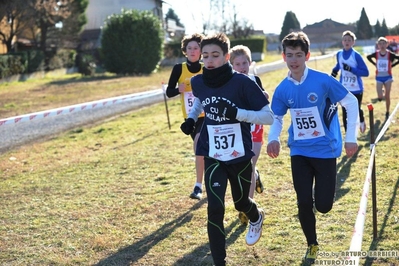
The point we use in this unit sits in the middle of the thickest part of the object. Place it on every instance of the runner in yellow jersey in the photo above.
(180, 77)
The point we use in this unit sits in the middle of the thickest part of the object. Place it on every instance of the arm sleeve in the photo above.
(259, 82)
(370, 58)
(393, 60)
(361, 69)
(196, 110)
(262, 117)
(336, 67)
(172, 90)
(276, 128)
(352, 111)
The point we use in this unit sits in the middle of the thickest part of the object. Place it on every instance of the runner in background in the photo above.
(384, 60)
(181, 76)
(241, 59)
(353, 68)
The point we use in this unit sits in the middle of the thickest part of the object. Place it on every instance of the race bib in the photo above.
(306, 123)
(225, 142)
(382, 65)
(349, 80)
(188, 101)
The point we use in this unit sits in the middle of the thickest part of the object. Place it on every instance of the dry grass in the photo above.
(117, 193)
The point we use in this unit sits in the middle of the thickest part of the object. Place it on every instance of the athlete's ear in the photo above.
(284, 57)
(307, 56)
(227, 57)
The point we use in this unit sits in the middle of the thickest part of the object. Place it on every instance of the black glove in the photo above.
(188, 126)
(346, 67)
(226, 110)
(334, 74)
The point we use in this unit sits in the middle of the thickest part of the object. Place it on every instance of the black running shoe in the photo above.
(197, 193)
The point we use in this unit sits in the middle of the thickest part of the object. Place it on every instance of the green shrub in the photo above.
(132, 42)
(86, 65)
(67, 57)
(61, 58)
(257, 44)
(172, 50)
(13, 64)
(35, 60)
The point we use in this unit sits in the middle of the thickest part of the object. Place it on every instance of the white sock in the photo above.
(198, 185)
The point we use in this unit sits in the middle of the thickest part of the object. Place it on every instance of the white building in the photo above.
(98, 10)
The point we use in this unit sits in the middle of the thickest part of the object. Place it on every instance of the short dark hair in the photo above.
(219, 39)
(295, 39)
(196, 37)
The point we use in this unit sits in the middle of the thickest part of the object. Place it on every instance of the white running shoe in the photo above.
(255, 230)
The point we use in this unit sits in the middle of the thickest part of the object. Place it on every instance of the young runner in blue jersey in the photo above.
(353, 68)
(314, 139)
(231, 102)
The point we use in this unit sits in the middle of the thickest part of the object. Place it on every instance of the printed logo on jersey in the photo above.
(212, 110)
(312, 97)
(330, 111)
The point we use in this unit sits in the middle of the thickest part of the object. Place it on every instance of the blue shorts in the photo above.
(384, 80)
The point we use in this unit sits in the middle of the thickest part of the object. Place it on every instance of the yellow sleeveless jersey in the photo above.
(187, 98)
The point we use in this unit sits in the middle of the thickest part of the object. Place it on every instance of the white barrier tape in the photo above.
(78, 107)
(357, 237)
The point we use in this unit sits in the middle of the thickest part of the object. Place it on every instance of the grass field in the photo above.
(117, 193)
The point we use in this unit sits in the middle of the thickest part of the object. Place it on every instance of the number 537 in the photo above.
(224, 142)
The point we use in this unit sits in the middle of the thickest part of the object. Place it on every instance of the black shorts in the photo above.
(197, 127)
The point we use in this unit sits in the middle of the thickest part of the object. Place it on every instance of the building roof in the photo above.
(91, 34)
(327, 30)
(327, 23)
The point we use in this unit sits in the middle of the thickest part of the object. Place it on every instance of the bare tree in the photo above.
(48, 14)
(240, 28)
(16, 18)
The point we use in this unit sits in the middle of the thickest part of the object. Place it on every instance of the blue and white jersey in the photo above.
(315, 129)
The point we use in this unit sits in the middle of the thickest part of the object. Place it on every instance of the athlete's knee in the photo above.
(244, 206)
(215, 212)
(305, 206)
(323, 207)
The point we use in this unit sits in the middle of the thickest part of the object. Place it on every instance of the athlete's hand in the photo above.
(273, 148)
(346, 67)
(182, 87)
(350, 148)
(188, 126)
(225, 109)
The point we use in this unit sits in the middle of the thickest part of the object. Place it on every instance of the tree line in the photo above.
(43, 22)
(364, 30)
